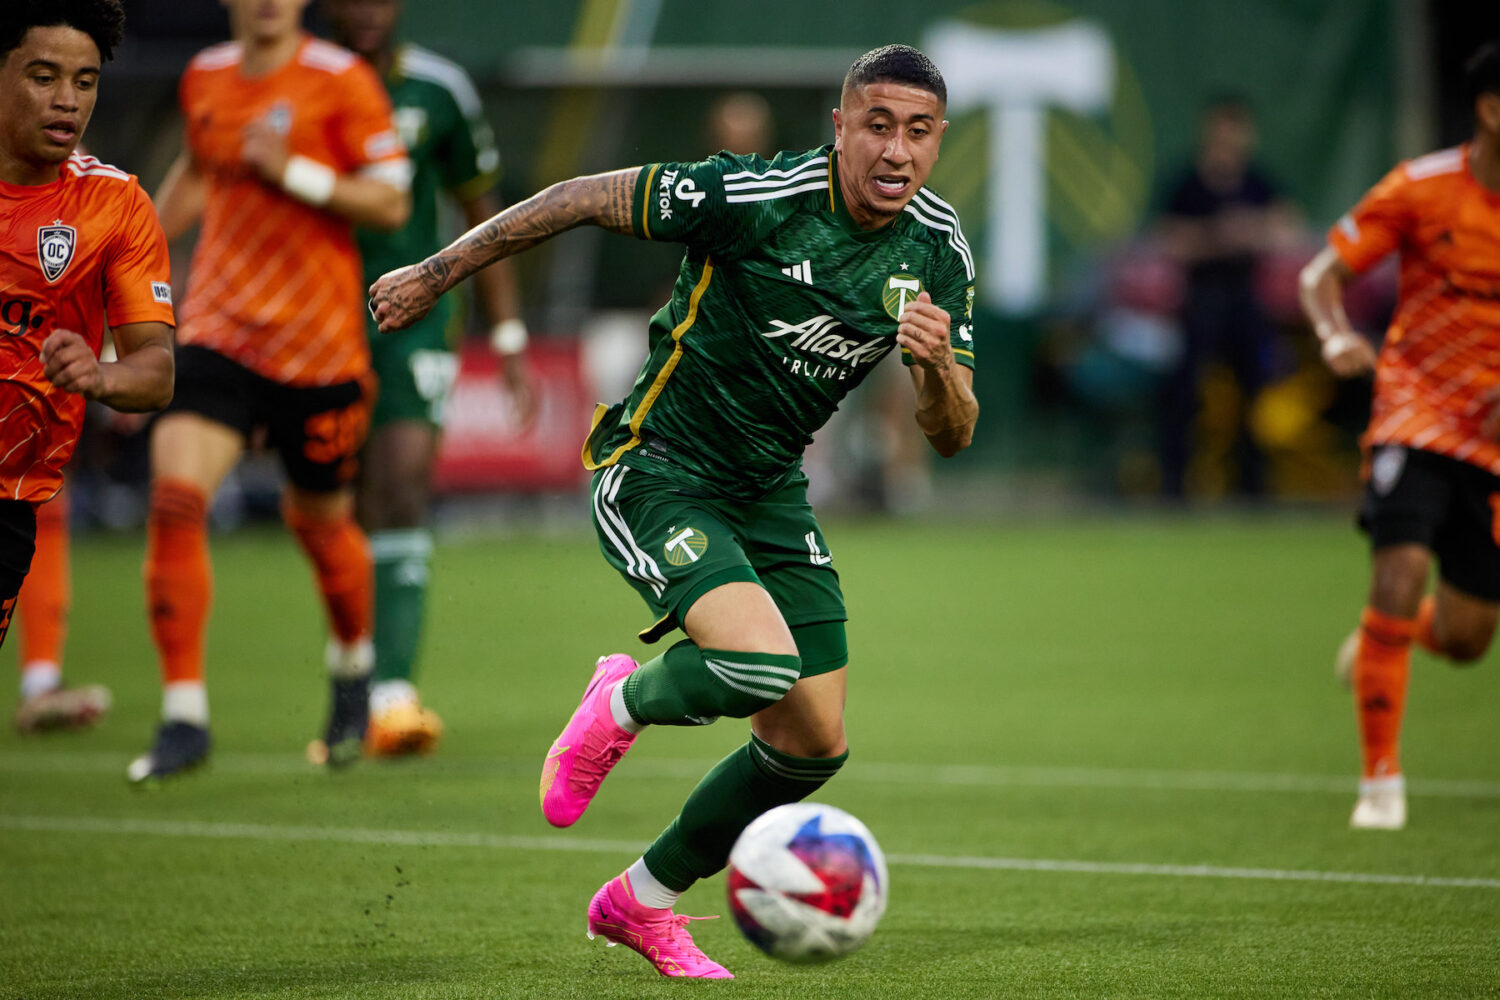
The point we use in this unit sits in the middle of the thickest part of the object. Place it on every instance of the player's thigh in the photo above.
(318, 432)
(1407, 501)
(671, 548)
(203, 431)
(17, 544)
(741, 616)
(790, 555)
(395, 474)
(809, 720)
(1468, 554)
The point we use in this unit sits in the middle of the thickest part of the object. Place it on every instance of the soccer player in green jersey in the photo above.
(800, 274)
(452, 149)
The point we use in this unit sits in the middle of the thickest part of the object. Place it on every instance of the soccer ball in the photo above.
(807, 882)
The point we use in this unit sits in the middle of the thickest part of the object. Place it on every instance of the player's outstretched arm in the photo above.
(404, 296)
(1321, 289)
(140, 380)
(180, 199)
(946, 407)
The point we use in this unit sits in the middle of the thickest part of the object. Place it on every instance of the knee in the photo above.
(1466, 650)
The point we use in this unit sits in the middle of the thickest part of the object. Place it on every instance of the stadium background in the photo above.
(1090, 104)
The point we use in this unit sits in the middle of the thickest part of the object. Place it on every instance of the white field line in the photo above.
(421, 838)
(974, 775)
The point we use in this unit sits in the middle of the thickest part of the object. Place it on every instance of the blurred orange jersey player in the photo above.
(276, 282)
(1433, 477)
(290, 142)
(80, 248)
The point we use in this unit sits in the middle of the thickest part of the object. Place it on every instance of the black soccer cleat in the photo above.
(180, 746)
(348, 717)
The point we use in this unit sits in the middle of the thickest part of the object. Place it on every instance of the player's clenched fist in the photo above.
(70, 364)
(923, 331)
(401, 297)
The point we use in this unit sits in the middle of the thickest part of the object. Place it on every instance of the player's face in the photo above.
(265, 21)
(366, 26)
(47, 93)
(887, 136)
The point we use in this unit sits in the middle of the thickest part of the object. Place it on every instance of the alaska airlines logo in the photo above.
(54, 248)
(824, 337)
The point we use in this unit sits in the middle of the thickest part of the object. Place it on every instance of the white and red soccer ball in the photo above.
(807, 882)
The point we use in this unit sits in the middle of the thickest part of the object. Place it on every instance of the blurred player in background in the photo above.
(81, 248)
(452, 149)
(799, 275)
(1223, 214)
(1433, 482)
(289, 143)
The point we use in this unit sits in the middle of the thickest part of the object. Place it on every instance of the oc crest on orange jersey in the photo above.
(54, 248)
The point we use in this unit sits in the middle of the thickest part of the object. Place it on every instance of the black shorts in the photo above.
(317, 430)
(1451, 507)
(17, 543)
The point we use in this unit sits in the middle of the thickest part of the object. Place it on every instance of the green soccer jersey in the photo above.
(452, 148)
(782, 305)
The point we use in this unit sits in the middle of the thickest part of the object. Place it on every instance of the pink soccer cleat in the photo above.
(659, 936)
(588, 747)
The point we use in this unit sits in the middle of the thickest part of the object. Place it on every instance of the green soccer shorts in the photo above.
(673, 547)
(417, 369)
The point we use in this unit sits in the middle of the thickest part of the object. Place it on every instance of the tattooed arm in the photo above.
(403, 296)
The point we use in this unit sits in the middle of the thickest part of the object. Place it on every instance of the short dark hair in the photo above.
(1482, 72)
(101, 20)
(897, 64)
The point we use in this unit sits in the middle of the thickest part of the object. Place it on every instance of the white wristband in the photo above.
(308, 180)
(508, 337)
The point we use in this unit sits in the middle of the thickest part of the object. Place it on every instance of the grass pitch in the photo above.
(1105, 759)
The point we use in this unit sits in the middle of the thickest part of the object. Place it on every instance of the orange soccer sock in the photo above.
(340, 555)
(42, 606)
(1424, 634)
(1381, 668)
(179, 579)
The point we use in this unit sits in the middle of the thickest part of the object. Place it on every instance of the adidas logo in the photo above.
(800, 272)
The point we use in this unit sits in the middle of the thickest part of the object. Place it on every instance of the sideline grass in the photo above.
(1123, 692)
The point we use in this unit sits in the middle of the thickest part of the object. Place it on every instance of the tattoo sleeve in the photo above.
(602, 200)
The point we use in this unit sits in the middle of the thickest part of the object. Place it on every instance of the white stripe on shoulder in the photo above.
(217, 56)
(1444, 161)
(326, 56)
(422, 64)
(819, 184)
(89, 166)
(748, 178)
(935, 213)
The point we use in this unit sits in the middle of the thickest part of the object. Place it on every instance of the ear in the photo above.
(838, 130)
(1487, 112)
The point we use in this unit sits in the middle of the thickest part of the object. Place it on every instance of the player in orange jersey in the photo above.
(289, 144)
(80, 248)
(1433, 484)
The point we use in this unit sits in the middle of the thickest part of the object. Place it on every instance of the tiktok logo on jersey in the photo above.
(54, 248)
(827, 340)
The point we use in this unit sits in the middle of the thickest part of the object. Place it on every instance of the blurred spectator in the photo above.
(1222, 215)
(741, 122)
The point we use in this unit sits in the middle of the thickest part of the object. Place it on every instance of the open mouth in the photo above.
(60, 132)
(891, 185)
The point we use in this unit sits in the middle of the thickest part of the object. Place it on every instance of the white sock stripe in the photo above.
(748, 688)
(402, 544)
(794, 773)
(764, 670)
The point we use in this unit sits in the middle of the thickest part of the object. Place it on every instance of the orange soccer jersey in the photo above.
(75, 254)
(275, 284)
(1439, 371)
